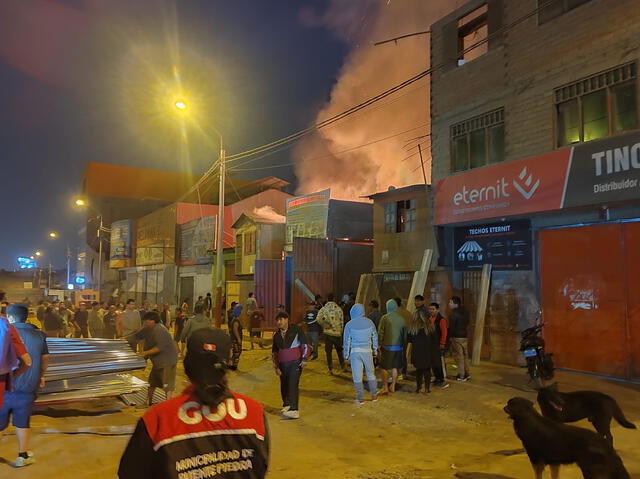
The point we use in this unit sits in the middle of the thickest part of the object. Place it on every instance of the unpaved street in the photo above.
(458, 432)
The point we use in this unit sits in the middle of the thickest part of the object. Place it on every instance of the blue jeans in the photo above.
(313, 338)
(358, 362)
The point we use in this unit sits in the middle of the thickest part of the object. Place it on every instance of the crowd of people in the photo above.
(363, 339)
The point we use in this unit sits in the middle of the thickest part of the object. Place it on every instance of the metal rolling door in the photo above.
(584, 298)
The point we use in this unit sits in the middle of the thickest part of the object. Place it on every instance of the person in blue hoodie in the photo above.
(360, 342)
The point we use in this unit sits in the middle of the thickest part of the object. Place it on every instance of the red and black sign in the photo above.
(592, 173)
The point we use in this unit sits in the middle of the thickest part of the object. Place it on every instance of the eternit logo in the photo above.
(524, 183)
(528, 188)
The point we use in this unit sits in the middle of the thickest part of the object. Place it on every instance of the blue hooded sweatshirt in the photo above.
(360, 335)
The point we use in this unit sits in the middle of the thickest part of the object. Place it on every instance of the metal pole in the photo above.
(220, 253)
(99, 234)
(68, 265)
(49, 282)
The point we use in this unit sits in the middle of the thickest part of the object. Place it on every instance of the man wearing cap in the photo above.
(160, 347)
(208, 431)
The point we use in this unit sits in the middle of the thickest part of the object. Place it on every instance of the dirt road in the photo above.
(458, 432)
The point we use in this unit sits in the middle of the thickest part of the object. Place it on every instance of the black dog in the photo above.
(593, 405)
(550, 443)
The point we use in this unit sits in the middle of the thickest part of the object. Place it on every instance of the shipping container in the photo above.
(269, 279)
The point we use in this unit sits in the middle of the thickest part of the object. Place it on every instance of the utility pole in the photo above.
(220, 253)
(68, 265)
(99, 234)
(49, 282)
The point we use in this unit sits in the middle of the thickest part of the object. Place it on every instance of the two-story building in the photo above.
(536, 166)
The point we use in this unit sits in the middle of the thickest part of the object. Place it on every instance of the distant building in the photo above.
(536, 146)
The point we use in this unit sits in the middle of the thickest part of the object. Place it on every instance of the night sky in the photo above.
(82, 81)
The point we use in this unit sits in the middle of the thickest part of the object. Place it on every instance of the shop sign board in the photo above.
(197, 240)
(604, 171)
(121, 239)
(592, 173)
(156, 237)
(307, 217)
(506, 246)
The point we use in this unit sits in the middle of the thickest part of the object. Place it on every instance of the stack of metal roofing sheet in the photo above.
(90, 368)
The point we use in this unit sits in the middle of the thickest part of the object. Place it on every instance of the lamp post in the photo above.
(181, 105)
(83, 203)
(54, 235)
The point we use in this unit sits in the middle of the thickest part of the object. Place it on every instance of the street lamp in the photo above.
(83, 203)
(53, 235)
(38, 253)
(182, 106)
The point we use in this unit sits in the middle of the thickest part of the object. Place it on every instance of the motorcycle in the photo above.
(539, 363)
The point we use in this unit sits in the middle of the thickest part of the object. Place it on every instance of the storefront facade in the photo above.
(561, 231)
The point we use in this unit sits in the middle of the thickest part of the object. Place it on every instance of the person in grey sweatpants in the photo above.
(360, 341)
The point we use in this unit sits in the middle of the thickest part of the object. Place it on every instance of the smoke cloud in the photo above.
(347, 156)
(268, 212)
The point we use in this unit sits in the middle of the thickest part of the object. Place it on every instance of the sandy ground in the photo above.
(458, 432)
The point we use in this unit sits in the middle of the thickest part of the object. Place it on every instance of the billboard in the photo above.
(307, 217)
(506, 246)
(596, 172)
(121, 251)
(197, 240)
(156, 237)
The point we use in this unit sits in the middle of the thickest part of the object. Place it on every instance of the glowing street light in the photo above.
(80, 202)
(31, 257)
(53, 235)
(181, 105)
(38, 253)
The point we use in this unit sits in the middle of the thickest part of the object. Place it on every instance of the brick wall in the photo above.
(523, 66)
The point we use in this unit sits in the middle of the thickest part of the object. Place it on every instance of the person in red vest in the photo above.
(208, 431)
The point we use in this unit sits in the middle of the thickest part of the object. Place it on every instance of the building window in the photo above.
(250, 243)
(550, 9)
(597, 106)
(400, 216)
(385, 256)
(473, 34)
(478, 141)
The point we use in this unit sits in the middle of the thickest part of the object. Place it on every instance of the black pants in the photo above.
(331, 342)
(289, 384)
(423, 376)
(436, 360)
(83, 331)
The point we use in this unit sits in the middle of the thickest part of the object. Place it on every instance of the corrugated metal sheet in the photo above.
(269, 279)
(326, 266)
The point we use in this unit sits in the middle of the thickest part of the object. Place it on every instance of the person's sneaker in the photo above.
(291, 414)
(462, 378)
(285, 409)
(442, 384)
(374, 399)
(24, 461)
(359, 402)
(467, 377)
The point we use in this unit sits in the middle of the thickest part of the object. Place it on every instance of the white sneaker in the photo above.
(291, 414)
(285, 409)
(359, 403)
(21, 461)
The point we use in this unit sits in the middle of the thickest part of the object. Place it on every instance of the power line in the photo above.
(372, 100)
(351, 148)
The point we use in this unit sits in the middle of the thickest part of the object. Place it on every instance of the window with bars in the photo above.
(598, 106)
(400, 216)
(550, 9)
(478, 141)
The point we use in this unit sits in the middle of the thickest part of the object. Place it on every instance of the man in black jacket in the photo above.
(458, 323)
(290, 354)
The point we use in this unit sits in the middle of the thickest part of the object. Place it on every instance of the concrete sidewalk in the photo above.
(457, 432)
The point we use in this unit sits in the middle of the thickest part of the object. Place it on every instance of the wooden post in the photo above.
(480, 314)
(419, 279)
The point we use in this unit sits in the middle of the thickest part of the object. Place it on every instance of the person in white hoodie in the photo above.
(360, 342)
